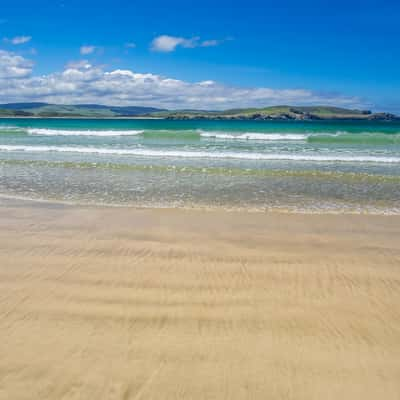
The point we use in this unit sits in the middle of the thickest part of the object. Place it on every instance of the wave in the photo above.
(160, 134)
(202, 154)
(58, 132)
(336, 137)
(339, 137)
(11, 130)
(198, 134)
(372, 138)
(254, 136)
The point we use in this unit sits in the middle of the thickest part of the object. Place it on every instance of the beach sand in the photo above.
(119, 303)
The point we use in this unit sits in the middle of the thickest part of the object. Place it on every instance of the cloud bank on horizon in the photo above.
(83, 82)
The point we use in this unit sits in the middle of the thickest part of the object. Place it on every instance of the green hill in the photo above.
(299, 113)
(278, 113)
(79, 110)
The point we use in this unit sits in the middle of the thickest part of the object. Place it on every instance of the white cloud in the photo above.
(87, 49)
(18, 39)
(207, 83)
(166, 43)
(85, 64)
(130, 45)
(81, 82)
(13, 66)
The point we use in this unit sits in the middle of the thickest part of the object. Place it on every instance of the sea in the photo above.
(308, 167)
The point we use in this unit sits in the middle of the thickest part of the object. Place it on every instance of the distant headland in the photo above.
(274, 113)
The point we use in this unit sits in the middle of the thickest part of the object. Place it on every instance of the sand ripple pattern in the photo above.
(141, 304)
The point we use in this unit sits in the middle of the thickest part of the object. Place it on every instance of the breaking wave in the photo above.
(58, 132)
(254, 136)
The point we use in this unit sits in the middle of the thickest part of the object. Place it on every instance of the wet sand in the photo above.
(116, 303)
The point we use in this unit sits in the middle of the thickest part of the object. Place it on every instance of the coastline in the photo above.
(193, 304)
(271, 113)
(349, 210)
(79, 117)
(311, 120)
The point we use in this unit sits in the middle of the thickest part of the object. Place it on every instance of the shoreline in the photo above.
(201, 208)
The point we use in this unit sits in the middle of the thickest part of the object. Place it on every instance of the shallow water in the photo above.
(297, 166)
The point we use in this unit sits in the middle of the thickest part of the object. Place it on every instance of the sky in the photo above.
(204, 54)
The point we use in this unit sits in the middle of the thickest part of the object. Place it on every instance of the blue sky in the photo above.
(344, 51)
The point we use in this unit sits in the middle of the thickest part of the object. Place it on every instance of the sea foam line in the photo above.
(60, 132)
(310, 136)
(201, 154)
(254, 136)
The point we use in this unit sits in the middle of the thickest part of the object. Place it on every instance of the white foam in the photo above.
(201, 154)
(254, 136)
(59, 132)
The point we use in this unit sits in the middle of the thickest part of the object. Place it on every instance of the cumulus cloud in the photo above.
(13, 66)
(81, 82)
(87, 49)
(18, 40)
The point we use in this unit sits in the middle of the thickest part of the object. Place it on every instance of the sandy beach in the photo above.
(120, 303)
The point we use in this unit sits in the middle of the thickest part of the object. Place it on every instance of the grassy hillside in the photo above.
(78, 110)
(268, 113)
(14, 113)
(276, 112)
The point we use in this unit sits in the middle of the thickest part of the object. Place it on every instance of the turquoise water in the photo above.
(254, 165)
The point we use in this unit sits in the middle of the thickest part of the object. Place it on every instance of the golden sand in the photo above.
(100, 303)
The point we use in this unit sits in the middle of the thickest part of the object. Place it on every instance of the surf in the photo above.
(253, 136)
(363, 138)
(202, 154)
(101, 133)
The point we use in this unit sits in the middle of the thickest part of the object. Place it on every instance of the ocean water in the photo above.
(253, 165)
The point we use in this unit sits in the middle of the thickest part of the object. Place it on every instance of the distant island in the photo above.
(276, 113)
